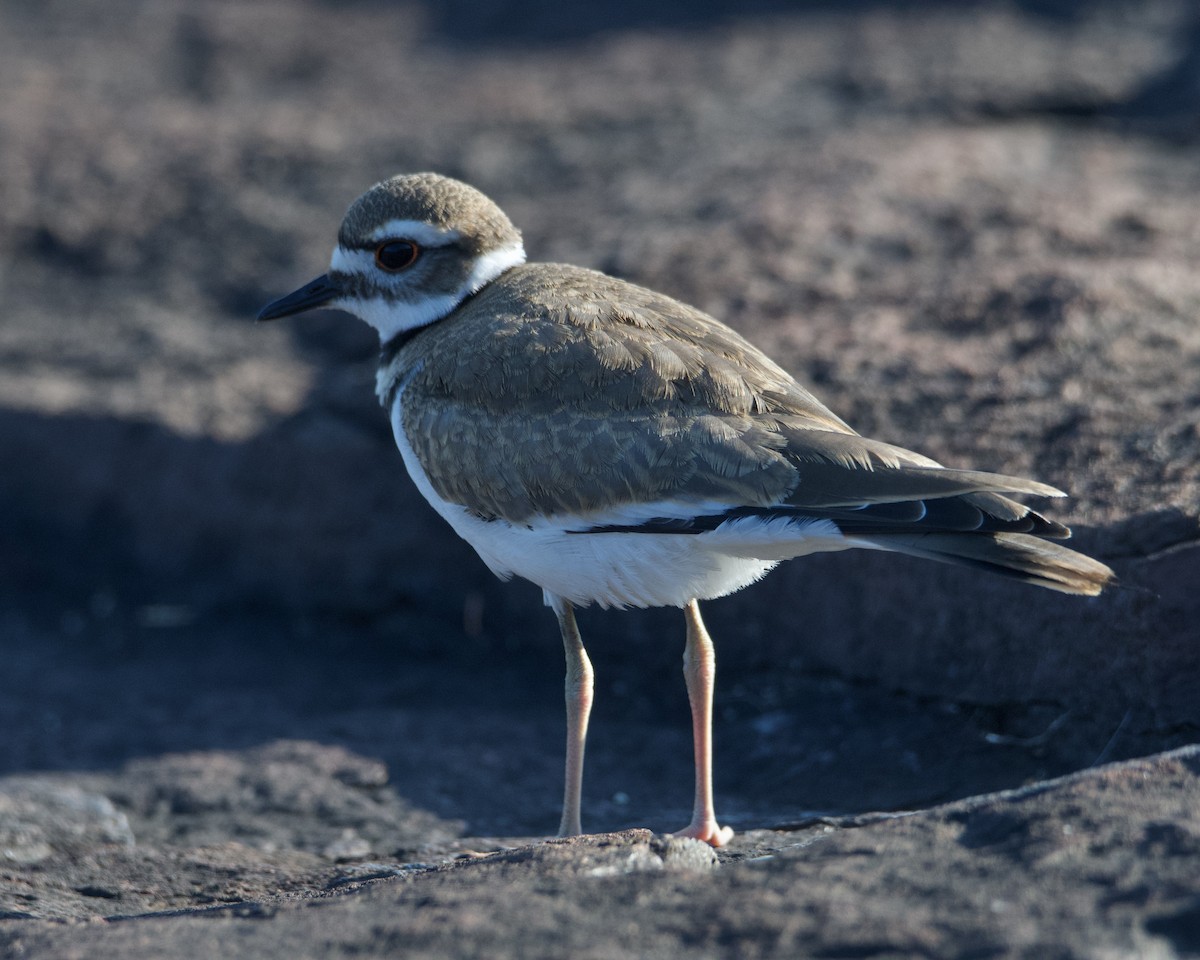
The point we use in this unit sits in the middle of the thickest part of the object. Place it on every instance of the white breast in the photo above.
(626, 569)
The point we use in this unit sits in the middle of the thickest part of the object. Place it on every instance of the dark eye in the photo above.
(395, 255)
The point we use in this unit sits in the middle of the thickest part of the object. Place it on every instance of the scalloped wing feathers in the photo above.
(517, 406)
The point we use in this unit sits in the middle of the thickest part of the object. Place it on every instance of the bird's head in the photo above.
(409, 251)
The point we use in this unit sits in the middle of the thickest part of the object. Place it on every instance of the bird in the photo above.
(618, 447)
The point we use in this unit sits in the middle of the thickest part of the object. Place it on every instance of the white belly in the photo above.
(627, 569)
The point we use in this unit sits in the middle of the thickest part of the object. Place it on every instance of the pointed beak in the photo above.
(316, 293)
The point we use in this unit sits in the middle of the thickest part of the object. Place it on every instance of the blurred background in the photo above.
(971, 228)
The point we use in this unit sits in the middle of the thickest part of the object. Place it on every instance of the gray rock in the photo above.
(39, 819)
(289, 795)
(1100, 863)
(601, 855)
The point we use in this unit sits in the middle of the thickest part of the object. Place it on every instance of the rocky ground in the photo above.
(260, 702)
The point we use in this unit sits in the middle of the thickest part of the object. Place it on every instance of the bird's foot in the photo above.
(708, 831)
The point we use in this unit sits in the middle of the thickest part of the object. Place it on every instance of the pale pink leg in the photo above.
(579, 705)
(700, 674)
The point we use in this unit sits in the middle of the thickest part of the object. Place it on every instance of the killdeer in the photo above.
(618, 447)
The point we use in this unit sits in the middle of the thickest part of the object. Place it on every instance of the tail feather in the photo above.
(1015, 555)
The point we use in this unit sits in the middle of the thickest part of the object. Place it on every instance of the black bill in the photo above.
(316, 293)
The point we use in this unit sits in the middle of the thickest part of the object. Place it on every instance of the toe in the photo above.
(708, 831)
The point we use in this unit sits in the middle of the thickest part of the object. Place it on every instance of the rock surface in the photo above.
(245, 664)
(1097, 864)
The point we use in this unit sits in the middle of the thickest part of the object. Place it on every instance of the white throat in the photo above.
(396, 317)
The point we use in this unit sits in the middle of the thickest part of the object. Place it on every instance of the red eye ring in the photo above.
(396, 255)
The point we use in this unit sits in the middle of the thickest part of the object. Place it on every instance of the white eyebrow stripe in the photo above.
(418, 230)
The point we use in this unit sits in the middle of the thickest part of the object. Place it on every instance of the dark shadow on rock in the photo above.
(1181, 927)
(98, 505)
(1170, 101)
(513, 22)
(1165, 105)
(307, 566)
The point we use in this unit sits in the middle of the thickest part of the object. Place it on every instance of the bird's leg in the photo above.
(579, 706)
(700, 674)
